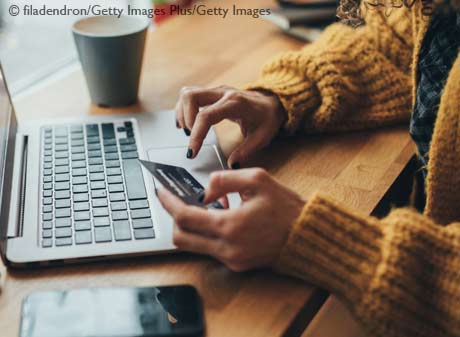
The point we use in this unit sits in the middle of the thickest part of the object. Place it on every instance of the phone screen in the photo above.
(113, 312)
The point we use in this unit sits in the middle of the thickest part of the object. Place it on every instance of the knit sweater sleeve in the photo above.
(349, 79)
(400, 276)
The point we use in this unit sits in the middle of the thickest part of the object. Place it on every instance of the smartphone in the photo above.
(172, 311)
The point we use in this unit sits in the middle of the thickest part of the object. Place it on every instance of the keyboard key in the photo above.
(118, 206)
(63, 222)
(94, 154)
(92, 130)
(77, 140)
(140, 213)
(117, 197)
(48, 179)
(98, 194)
(47, 233)
(110, 149)
(58, 141)
(61, 162)
(96, 169)
(79, 180)
(109, 142)
(129, 124)
(80, 188)
(95, 161)
(47, 201)
(108, 130)
(94, 147)
(61, 147)
(78, 216)
(60, 155)
(128, 148)
(119, 215)
(64, 203)
(101, 222)
(48, 186)
(63, 232)
(112, 163)
(78, 156)
(146, 233)
(47, 193)
(138, 204)
(81, 206)
(62, 213)
(47, 216)
(127, 141)
(129, 155)
(47, 208)
(48, 141)
(47, 225)
(113, 171)
(76, 129)
(98, 185)
(79, 172)
(47, 172)
(78, 164)
(134, 180)
(60, 131)
(62, 177)
(99, 203)
(102, 211)
(46, 243)
(92, 139)
(48, 147)
(82, 225)
(48, 159)
(111, 156)
(80, 197)
(83, 237)
(115, 180)
(62, 186)
(78, 149)
(114, 188)
(103, 234)
(61, 169)
(63, 242)
(62, 195)
(97, 176)
(122, 230)
(142, 223)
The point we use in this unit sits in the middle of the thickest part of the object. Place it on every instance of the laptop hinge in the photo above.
(16, 218)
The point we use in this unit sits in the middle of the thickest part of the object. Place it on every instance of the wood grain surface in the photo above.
(356, 168)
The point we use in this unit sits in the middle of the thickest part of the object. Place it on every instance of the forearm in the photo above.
(349, 79)
(399, 275)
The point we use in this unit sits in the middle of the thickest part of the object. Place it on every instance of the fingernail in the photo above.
(189, 153)
(177, 124)
(201, 197)
(236, 166)
(187, 132)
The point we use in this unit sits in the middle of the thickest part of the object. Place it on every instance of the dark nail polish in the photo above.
(201, 197)
(236, 166)
(189, 153)
(177, 124)
(187, 132)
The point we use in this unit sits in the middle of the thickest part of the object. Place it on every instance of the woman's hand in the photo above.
(260, 116)
(247, 237)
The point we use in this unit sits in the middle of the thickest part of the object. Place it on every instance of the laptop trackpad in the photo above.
(201, 167)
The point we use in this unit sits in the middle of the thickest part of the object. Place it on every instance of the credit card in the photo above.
(179, 182)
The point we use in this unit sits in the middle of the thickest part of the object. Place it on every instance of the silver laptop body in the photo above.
(46, 219)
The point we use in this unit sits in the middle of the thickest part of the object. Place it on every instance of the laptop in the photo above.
(73, 190)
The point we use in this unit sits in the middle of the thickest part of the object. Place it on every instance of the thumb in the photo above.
(251, 144)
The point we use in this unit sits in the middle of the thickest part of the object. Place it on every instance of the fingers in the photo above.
(251, 144)
(206, 118)
(195, 243)
(224, 182)
(191, 100)
(190, 218)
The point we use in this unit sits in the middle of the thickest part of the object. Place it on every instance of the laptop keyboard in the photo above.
(93, 190)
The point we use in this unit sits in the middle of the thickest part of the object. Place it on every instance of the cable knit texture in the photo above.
(400, 275)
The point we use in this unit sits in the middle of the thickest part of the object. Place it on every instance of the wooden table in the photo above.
(355, 168)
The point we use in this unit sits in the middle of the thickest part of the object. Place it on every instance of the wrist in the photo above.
(280, 113)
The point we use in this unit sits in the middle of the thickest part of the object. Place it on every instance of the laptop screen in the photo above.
(7, 142)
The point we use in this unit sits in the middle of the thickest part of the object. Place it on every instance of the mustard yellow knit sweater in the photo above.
(400, 275)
